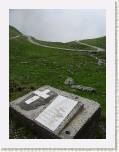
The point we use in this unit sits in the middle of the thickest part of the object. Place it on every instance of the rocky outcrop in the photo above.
(83, 88)
(69, 81)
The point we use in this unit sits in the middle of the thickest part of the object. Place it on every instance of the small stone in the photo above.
(69, 81)
(101, 61)
(83, 88)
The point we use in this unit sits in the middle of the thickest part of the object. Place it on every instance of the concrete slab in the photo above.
(53, 113)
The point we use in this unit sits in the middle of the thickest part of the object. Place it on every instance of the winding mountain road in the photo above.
(30, 39)
(59, 48)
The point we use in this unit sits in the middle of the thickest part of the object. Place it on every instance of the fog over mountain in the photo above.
(59, 24)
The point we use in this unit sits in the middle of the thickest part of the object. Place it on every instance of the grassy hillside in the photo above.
(13, 32)
(69, 45)
(32, 66)
(99, 42)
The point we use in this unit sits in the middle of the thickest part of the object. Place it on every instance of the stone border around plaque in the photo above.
(78, 123)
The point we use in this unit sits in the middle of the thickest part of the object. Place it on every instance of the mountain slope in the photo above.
(82, 45)
(68, 45)
(99, 42)
(13, 32)
(32, 66)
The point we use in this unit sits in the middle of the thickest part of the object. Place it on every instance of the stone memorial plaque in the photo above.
(56, 112)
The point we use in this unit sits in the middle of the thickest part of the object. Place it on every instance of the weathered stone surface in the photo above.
(69, 81)
(83, 88)
(80, 123)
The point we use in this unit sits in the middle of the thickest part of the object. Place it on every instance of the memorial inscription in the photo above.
(56, 112)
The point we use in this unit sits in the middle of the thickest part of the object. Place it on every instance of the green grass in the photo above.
(99, 42)
(32, 66)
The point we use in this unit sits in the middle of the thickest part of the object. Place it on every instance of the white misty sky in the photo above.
(60, 24)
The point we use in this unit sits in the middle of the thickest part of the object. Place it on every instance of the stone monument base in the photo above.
(55, 114)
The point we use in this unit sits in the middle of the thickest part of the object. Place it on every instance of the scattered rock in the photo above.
(83, 88)
(69, 81)
(101, 61)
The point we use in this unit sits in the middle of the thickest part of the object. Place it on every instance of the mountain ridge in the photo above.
(100, 41)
